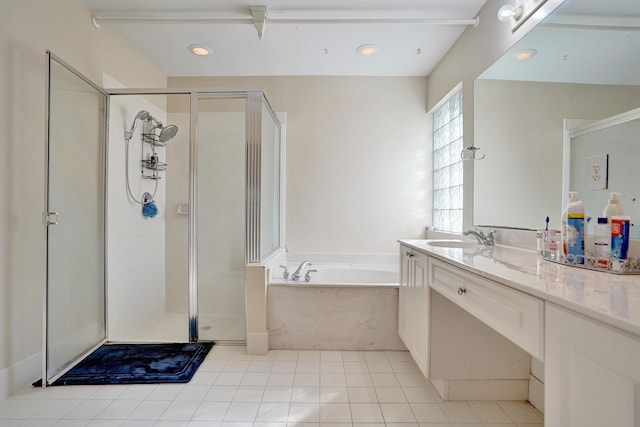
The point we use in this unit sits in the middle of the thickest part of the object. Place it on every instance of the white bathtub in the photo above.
(340, 275)
(343, 307)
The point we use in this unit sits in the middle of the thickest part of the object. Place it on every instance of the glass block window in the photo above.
(447, 165)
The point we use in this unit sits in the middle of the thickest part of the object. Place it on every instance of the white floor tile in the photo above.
(521, 413)
(403, 367)
(458, 412)
(398, 356)
(304, 413)
(366, 413)
(380, 367)
(411, 380)
(397, 413)
(384, 380)
(335, 413)
(229, 378)
(210, 411)
(221, 393)
(306, 380)
(248, 394)
(333, 380)
(419, 394)
(353, 356)
(179, 411)
(194, 393)
(375, 356)
(359, 379)
(119, 409)
(255, 379)
(358, 366)
(236, 366)
(308, 367)
(281, 379)
(149, 410)
(242, 411)
(165, 392)
(284, 366)
(260, 366)
(54, 409)
(289, 355)
(305, 394)
(273, 411)
(105, 423)
(489, 412)
(332, 367)
(334, 395)
(277, 394)
(139, 392)
(308, 356)
(362, 395)
(390, 395)
(330, 356)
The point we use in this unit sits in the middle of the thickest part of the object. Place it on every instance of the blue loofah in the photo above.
(150, 209)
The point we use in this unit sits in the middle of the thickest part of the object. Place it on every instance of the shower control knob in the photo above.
(461, 290)
(285, 273)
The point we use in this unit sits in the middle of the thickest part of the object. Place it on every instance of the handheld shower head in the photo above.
(142, 115)
(167, 132)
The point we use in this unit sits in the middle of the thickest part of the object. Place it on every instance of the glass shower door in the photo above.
(74, 219)
(220, 216)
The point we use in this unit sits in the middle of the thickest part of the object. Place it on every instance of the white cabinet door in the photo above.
(413, 306)
(404, 296)
(420, 313)
(592, 373)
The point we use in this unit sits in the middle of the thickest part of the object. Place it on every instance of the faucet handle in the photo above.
(285, 273)
(307, 277)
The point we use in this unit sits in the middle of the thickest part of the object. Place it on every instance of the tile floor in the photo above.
(285, 388)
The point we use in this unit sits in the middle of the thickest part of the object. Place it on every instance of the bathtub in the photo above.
(340, 275)
(343, 307)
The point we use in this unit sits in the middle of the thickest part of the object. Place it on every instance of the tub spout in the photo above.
(300, 271)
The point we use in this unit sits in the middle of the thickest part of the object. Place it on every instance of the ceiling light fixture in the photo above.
(367, 50)
(525, 54)
(507, 12)
(199, 50)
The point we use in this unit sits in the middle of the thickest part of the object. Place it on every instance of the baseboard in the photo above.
(20, 375)
(453, 390)
(536, 393)
(258, 343)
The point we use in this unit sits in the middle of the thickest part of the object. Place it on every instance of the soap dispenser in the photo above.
(574, 229)
(613, 207)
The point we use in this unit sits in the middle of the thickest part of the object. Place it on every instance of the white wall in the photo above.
(358, 159)
(136, 244)
(27, 29)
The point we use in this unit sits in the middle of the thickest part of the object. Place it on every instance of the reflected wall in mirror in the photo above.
(606, 154)
(583, 68)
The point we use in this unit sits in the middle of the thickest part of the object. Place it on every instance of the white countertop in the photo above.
(610, 298)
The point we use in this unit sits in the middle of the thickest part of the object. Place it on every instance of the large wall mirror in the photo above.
(585, 66)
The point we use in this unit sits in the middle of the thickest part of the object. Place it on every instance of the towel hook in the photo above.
(471, 153)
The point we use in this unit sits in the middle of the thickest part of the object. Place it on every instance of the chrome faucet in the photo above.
(300, 271)
(487, 240)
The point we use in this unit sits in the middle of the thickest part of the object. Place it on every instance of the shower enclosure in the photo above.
(178, 276)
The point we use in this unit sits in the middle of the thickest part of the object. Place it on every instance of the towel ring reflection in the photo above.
(471, 153)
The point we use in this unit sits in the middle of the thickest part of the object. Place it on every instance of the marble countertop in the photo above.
(610, 298)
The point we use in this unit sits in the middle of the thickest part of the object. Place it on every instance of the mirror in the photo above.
(598, 169)
(585, 66)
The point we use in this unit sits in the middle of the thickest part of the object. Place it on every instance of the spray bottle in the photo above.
(573, 229)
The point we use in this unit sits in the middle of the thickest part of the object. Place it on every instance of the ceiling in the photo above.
(291, 44)
(583, 41)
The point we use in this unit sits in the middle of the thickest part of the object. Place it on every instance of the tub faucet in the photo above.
(300, 271)
(487, 240)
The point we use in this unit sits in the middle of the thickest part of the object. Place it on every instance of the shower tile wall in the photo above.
(136, 245)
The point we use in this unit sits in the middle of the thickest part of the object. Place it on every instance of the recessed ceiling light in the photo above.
(367, 49)
(199, 50)
(525, 54)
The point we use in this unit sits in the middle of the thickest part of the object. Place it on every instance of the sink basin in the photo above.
(452, 244)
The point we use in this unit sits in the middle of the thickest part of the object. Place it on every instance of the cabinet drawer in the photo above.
(517, 316)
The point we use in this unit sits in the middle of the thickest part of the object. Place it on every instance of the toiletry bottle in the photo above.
(601, 247)
(613, 207)
(575, 226)
(620, 237)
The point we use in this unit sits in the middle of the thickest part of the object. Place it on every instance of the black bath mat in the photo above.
(138, 364)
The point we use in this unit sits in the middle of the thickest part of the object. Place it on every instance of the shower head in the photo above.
(143, 115)
(167, 132)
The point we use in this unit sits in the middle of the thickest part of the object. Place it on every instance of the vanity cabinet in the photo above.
(414, 306)
(518, 317)
(592, 372)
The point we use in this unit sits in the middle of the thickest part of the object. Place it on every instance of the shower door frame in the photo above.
(254, 98)
(46, 378)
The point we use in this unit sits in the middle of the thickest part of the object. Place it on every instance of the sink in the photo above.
(452, 244)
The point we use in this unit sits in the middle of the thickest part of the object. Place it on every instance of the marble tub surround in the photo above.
(609, 298)
(309, 317)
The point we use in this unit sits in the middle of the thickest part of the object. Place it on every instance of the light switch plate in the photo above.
(597, 172)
